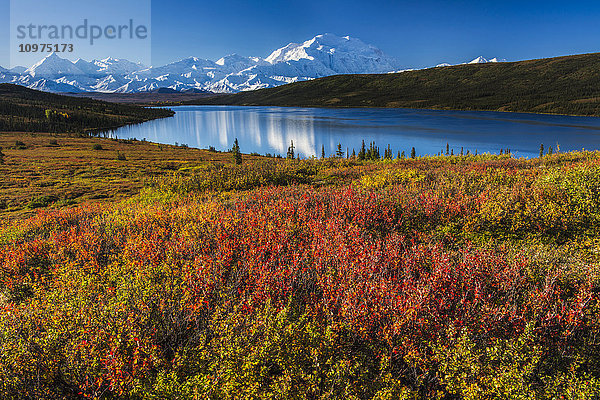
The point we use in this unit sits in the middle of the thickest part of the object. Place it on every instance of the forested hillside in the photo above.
(26, 110)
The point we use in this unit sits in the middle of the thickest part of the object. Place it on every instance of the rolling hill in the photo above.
(27, 110)
(563, 85)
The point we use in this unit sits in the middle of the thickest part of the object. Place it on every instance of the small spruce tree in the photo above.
(375, 154)
(413, 153)
(371, 152)
(237, 154)
(291, 153)
(322, 151)
(541, 150)
(362, 154)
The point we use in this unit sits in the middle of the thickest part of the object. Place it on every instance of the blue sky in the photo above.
(419, 33)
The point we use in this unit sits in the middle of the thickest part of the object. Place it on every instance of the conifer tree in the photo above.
(541, 150)
(322, 151)
(237, 154)
(290, 153)
(362, 152)
(388, 152)
(413, 153)
(373, 153)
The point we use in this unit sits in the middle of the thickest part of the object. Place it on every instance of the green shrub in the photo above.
(42, 201)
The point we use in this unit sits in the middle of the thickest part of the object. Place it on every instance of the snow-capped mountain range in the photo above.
(323, 55)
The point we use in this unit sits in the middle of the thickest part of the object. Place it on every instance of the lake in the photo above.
(271, 129)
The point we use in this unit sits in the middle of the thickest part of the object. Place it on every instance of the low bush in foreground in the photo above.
(449, 278)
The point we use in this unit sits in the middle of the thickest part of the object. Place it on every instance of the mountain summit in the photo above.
(338, 55)
(482, 60)
(52, 66)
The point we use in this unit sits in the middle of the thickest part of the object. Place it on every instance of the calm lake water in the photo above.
(271, 129)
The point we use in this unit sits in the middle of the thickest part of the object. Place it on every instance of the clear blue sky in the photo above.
(419, 33)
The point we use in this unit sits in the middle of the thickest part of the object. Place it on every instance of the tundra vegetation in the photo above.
(449, 277)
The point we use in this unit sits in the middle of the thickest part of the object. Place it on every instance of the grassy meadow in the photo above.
(176, 274)
(49, 171)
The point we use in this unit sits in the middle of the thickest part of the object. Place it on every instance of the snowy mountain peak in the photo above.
(482, 60)
(326, 43)
(53, 66)
(335, 55)
(235, 63)
(111, 65)
(109, 60)
(285, 54)
(233, 59)
(479, 60)
(229, 58)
